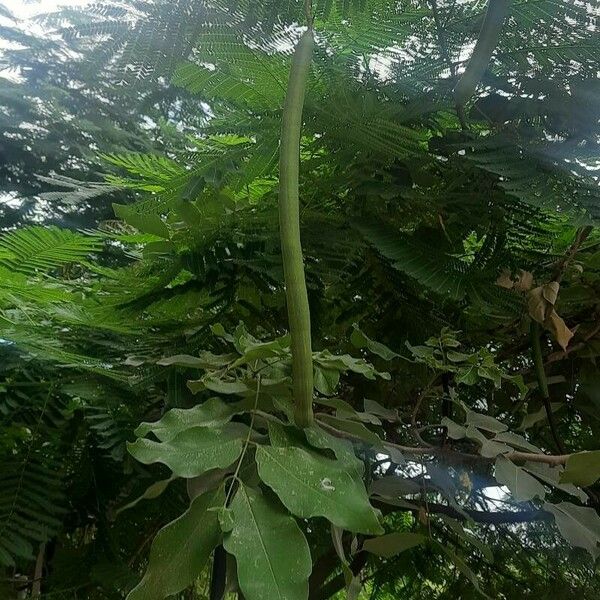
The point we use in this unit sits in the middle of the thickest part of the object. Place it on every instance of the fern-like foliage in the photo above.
(32, 503)
(41, 249)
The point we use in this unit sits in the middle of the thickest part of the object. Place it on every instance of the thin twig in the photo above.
(246, 443)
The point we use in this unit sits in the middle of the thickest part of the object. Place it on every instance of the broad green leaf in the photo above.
(182, 360)
(212, 413)
(191, 452)
(393, 543)
(582, 468)
(455, 431)
(196, 486)
(152, 491)
(143, 222)
(220, 386)
(359, 416)
(488, 448)
(219, 331)
(484, 422)
(551, 476)
(353, 427)
(531, 419)
(522, 485)
(282, 436)
(393, 486)
(345, 362)
(272, 554)
(206, 360)
(579, 525)
(516, 441)
(314, 486)
(336, 403)
(180, 550)
(252, 349)
(343, 449)
(389, 414)
(326, 380)
(360, 340)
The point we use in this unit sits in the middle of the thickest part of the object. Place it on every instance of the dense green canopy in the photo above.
(449, 197)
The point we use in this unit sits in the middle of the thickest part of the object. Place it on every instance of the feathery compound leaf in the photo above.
(40, 249)
(431, 268)
(31, 508)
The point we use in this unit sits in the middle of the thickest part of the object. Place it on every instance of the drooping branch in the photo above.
(486, 43)
(289, 227)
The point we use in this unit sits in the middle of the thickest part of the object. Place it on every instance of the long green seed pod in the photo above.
(486, 43)
(289, 228)
(540, 373)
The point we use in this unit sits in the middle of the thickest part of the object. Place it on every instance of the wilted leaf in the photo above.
(537, 305)
(524, 281)
(541, 309)
(504, 279)
(562, 334)
(550, 292)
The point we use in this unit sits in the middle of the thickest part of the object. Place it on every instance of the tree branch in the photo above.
(479, 516)
(549, 459)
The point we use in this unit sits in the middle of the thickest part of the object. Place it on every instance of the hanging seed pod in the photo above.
(289, 228)
(485, 46)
